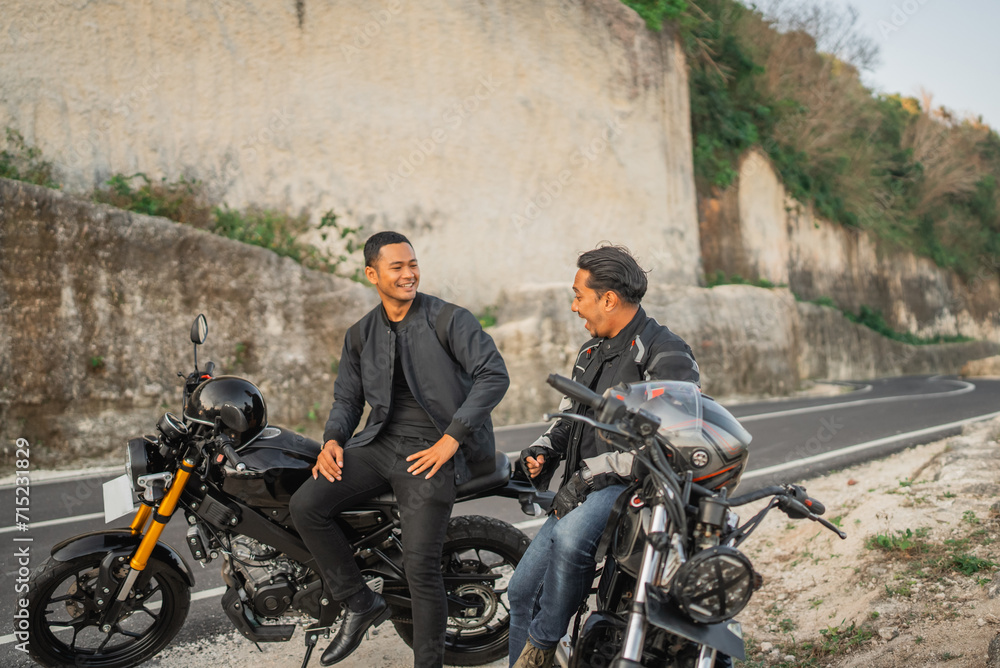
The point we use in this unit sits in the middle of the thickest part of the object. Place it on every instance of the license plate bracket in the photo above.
(119, 499)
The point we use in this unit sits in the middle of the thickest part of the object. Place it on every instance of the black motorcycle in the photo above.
(673, 578)
(117, 597)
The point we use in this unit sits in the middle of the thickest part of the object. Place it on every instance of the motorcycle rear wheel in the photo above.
(477, 544)
(64, 627)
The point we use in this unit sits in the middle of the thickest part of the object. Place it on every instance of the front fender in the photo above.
(110, 540)
(727, 637)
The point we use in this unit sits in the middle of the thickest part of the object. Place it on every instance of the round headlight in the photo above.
(714, 585)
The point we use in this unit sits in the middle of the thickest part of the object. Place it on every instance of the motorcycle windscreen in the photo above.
(686, 415)
(700, 435)
(676, 403)
(661, 612)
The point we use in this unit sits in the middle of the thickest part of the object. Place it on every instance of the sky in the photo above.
(949, 47)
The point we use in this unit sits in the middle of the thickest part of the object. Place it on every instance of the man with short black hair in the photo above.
(431, 376)
(556, 572)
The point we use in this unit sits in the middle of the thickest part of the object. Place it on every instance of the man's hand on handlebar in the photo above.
(533, 458)
(330, 462)
(535, 465)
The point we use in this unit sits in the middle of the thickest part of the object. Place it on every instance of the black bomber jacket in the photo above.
(458, 386)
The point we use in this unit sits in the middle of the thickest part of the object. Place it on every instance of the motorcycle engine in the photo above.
(270, 579)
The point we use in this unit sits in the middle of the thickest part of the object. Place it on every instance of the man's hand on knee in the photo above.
(330, 462)
(570, 495)
(434, 457)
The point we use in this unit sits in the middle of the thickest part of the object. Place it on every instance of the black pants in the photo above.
(424, 509)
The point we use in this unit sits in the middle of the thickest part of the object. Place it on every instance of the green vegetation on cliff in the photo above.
(21, 162)
(186, 201)
(655, 12)
(787, 82)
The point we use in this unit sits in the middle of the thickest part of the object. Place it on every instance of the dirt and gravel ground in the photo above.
(913, 585)
(383, 649)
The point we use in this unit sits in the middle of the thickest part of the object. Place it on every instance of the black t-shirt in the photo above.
(407, 417)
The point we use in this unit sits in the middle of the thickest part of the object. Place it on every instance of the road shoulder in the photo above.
(911, 585)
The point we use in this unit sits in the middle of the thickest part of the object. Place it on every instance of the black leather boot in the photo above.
(352, 630)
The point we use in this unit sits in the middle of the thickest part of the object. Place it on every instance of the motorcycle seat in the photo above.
(498, 477)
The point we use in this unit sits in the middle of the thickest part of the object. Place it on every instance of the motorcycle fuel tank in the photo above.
(278, 462)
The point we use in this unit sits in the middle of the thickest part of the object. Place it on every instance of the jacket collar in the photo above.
(625, 338)
(414, 307)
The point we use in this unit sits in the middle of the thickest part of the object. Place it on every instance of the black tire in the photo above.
(477, 544)
(61, 597)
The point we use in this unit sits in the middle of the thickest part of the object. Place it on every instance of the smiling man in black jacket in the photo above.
(431, 376)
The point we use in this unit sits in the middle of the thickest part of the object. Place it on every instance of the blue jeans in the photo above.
(556, 573)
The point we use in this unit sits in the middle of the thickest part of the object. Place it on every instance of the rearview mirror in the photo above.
(199, 330)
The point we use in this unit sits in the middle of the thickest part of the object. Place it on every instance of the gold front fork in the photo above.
(167, 507)
(139, 521)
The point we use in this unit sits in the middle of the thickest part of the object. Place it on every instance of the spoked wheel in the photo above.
(484, 546)
(65, 627)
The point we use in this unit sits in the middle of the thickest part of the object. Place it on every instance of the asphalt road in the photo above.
(793, 439)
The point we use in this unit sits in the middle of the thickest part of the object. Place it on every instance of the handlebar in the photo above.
(793, 501)
(815, 506)
(810, 504)
(576, 391)
(796, 492)
(231, 456)
(743, 499)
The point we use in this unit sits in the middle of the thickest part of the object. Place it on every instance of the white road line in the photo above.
(967, 387)
(52, 523)
(208, 593)
(527, 524)
(46, 477)
(512, 427)
(860, 447)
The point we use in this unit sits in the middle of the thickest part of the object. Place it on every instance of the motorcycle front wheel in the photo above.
(477, 545)
(64, 627)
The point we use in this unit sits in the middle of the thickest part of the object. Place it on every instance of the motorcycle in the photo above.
(673, 579)
(115, 598)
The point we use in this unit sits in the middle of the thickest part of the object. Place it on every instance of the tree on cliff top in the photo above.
(785, 78)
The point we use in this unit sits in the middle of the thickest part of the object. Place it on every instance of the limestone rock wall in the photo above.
(96, 306)
(503, 137)
(755, 230)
